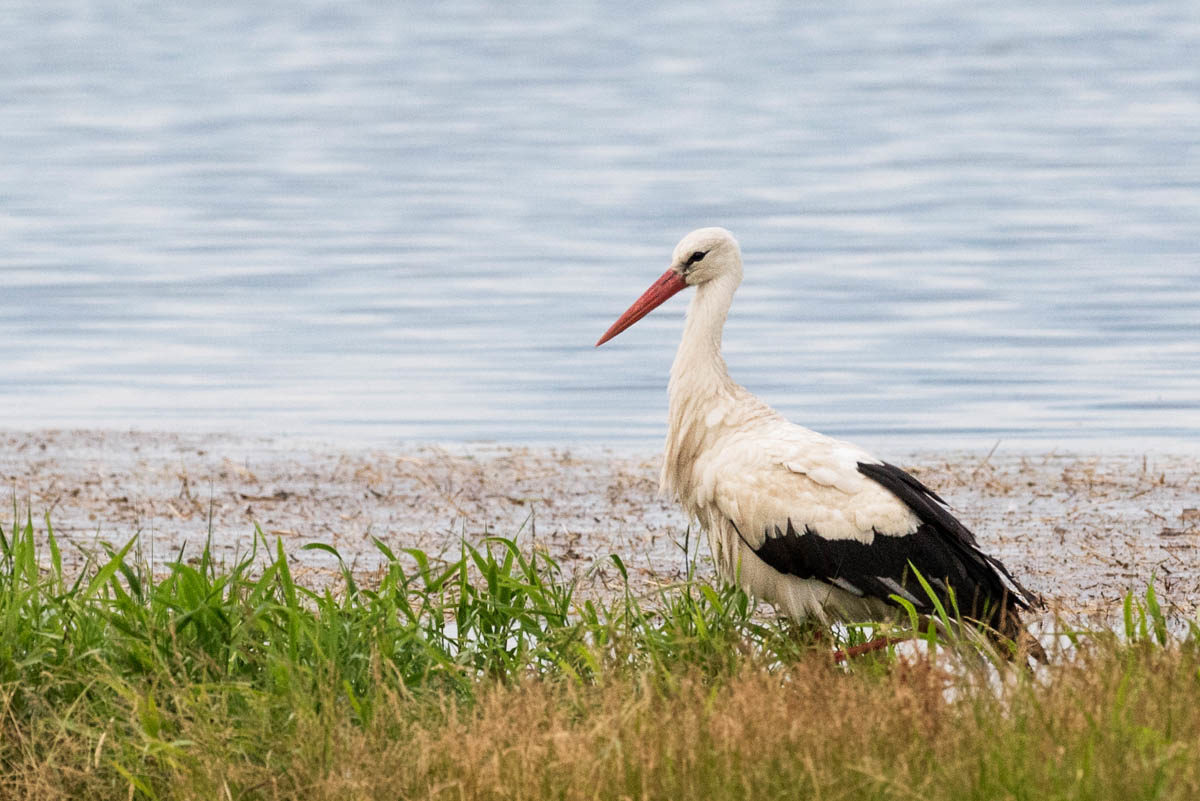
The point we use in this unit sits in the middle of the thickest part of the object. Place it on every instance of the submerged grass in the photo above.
(487, 677)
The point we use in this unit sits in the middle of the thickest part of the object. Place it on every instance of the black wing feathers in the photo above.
(932, 511)
(942, 549)
(928, 505)
(865, 568)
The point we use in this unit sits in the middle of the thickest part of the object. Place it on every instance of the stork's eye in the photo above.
(695, 257)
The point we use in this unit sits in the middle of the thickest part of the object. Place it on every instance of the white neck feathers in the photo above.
(699, 381)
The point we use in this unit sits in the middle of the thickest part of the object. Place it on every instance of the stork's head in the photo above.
(703, 255)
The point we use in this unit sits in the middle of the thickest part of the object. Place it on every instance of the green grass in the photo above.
(489, 677)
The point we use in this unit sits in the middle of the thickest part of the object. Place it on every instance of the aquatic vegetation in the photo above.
(490, 676)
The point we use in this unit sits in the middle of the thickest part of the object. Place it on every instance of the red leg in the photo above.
(876, 644)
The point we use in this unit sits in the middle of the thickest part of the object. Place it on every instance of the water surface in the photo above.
(961, 223)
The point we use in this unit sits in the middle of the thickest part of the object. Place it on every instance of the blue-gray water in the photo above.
(962, 222)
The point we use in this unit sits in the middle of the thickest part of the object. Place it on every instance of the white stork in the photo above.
(817, 526)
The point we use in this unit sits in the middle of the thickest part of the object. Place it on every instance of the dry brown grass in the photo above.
(1110, 722)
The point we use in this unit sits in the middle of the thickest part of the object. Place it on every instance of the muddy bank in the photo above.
(1080, 529)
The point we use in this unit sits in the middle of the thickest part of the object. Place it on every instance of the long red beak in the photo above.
(667, 285)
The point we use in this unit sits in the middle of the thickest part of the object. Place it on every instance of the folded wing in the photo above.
(838, 516)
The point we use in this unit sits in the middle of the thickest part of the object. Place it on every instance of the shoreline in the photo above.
(1079, 528)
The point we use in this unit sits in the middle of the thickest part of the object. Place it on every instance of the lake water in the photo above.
(962, 222)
